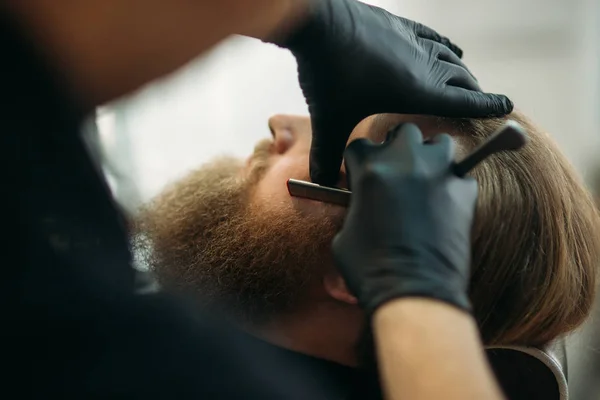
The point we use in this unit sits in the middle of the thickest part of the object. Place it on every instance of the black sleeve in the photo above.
(72, 326)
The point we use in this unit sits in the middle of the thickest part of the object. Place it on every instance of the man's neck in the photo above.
(324, 331)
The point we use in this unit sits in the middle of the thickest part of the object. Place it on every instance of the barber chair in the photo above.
(529, 373)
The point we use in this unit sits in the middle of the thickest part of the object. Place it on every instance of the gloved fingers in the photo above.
(442, 139)
(393, 133)
(357, 153)
(471, 183)
(456, 102)
(337, 245)
(445, 142)
(404, 135)
(473, 186)
(425, 32)
(459, 76)
(468, 185)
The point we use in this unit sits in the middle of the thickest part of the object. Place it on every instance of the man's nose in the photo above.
(284, 131)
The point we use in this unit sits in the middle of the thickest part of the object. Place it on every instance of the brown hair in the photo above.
(536, 239)
(536, 236)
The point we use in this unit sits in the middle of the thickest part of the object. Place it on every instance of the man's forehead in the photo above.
(376, 127)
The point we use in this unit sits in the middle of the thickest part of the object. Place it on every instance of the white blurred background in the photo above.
(544, 54)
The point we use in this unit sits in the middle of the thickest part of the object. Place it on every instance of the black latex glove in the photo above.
(356, 60)
(407, 231)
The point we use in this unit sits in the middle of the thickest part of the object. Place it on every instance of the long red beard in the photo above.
(204, 235)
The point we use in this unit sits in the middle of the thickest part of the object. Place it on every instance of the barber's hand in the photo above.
(407, 231)
(356, 60)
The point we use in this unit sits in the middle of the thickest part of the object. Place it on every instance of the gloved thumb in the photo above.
(355, 157)
(405, 134)
(340, 253)
(326, 151)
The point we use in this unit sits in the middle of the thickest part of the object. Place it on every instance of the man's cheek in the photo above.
(292, 166)
(272, 188)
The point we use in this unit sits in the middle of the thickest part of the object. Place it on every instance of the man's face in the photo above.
(290, 151)
(231, 233)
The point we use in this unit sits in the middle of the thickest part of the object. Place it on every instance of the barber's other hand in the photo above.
(356, 60)
(407, 231)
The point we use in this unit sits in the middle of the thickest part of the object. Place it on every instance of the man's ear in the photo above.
(335, 286)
